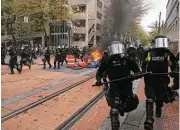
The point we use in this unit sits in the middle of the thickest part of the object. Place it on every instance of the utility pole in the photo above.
(159, 27)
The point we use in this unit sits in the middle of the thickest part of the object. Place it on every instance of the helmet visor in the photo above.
(116, 48)
(161, 43)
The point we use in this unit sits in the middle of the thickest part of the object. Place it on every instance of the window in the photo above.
(79, 23)
(99, 15)
(79, 8)
(177, 8)
(176, 25)
(79, 37)
(98, 27)
(99, 3)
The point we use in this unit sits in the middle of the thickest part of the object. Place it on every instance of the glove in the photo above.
(98, 83)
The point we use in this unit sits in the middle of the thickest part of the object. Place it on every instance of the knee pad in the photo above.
(114, 111)
(149, 108)
(149, 100)
(115, 124)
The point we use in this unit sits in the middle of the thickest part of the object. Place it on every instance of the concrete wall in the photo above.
(173, 23)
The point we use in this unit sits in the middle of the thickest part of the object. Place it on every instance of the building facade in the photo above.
(172, 24)
(88, 21)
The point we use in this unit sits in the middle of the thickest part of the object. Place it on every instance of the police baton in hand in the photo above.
(131, 77)
(169, 73)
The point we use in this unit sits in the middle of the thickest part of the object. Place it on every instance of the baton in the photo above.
(156, 74)
(125, 78)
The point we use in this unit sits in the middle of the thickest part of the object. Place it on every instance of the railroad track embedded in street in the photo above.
(40, 101)
(67, 124)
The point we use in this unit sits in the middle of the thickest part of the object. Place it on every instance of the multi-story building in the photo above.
(172, 24)
(90, 22)
(89, 19)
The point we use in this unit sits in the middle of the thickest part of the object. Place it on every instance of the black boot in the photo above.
(29, 65)
(158, 109)
(12, 71)
(19, 70)
(50, 66)
(148, 124)
(115, 124)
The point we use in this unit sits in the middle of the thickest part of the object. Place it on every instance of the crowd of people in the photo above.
(28, 54)
(117, 64)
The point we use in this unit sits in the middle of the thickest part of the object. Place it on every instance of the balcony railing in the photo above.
(80, 15)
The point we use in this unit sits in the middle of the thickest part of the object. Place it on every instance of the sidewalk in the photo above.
(168, 121)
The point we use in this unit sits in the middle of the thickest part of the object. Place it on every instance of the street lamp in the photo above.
(69, 26)
(26, 20)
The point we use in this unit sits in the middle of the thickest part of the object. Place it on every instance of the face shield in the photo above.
(160, 43)
(116, 48)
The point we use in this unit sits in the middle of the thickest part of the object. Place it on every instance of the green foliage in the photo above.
(136, 32)
(40, 14)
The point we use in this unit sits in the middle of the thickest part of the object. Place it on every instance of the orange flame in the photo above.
(96, 55)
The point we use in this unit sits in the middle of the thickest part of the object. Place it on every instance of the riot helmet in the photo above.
(160, 42)
(116, 48)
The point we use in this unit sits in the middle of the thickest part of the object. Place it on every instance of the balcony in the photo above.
(79, 16)
(79, 43)
(74, 2)
(81, 30)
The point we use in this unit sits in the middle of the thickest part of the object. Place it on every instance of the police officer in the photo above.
(140, 53)
(46, 57)
(131, 52)
(117, 65)
(156, 60)
(175, 85)
(33, 55)
(58, 57)
(13, 60)
(64, 54)
(3, 54)
(25, 58)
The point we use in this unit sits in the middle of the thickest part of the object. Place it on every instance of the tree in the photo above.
(8, 18)
(42, 14)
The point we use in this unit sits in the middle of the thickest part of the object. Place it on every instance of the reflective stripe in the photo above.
(71, 60)
(148, 58)
(70, 63)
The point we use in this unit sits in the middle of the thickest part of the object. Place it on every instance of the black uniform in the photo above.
(33, 55)
(140, 52)
(156, 60)
(46, 57)
(25, 58)
(64, 54)
(115, 68)
(58, 58)
(131, 51)
(13, 61)
(176, 76)
(3, 54)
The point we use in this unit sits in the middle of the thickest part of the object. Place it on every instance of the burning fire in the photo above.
(95, 56)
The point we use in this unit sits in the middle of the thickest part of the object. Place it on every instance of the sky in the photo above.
(156, 6)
